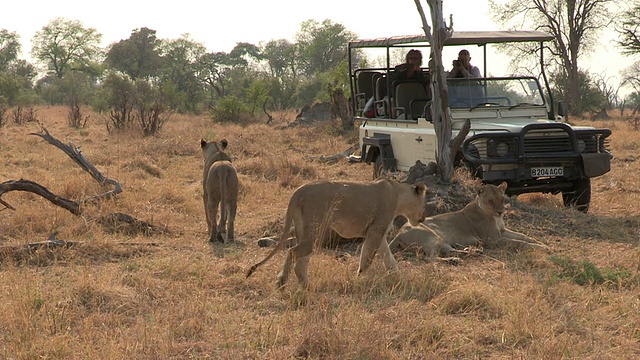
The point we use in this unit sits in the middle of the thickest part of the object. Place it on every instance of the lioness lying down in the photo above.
(351, 209)
(478, 223)
(220, 187)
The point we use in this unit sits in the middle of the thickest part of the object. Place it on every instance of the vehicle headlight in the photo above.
(582, 145)
(502, 149)
(495, 148)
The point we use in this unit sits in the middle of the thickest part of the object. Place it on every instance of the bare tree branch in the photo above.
(74, 153)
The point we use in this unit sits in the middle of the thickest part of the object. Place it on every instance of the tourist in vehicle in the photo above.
(462, 67)
(410, 70)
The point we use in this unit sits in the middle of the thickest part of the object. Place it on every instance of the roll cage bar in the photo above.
(480, 38)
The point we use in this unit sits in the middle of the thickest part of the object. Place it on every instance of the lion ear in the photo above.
(224, 143)
(203, 143)
(503, 186)
(420, 188)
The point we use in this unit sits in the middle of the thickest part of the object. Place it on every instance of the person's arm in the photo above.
(475, 72)
(455, 70)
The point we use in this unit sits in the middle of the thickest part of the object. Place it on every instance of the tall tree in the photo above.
(9, 48)
(281, 58)
(64, 44)
(138, 56)
(178, 74)
(215, 69)
(321, 45)
(16, 75)
(574, 23)
(629, 30)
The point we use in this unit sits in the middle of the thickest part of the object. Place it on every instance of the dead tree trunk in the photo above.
(439, 110)
(340, 109)
(264, 109)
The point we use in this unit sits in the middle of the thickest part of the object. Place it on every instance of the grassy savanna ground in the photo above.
(175, 296)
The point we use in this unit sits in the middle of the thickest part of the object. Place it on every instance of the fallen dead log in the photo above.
(337, 157)
(54, 243)
(132, 225)
(33, 187)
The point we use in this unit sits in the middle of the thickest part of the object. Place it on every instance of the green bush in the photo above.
(230, 109)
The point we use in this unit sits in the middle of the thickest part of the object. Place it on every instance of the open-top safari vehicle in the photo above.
(515, 136)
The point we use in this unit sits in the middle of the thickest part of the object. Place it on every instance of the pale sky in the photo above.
(219, 25)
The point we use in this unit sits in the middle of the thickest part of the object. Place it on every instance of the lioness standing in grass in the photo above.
(351, 209)
(479, 223)
(220, 186)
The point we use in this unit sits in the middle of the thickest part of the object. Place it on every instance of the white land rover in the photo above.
(515, 134)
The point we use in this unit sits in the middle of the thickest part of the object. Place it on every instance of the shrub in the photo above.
(230, 109)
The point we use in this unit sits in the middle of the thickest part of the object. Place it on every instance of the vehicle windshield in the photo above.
(491, 92)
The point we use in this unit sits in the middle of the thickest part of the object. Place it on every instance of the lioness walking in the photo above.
(220, 187)
(479, 223)
(351, 209)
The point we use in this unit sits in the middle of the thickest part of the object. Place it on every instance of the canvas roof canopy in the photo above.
(458, 38)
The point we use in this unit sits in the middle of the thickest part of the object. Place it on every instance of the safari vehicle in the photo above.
(515, 134)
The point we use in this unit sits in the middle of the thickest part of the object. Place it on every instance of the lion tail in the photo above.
(282, 243)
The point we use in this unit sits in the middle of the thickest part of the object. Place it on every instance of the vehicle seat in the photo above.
(410, 99)
(365, 87)
(381, 102)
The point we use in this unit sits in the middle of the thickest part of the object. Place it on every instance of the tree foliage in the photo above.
(182, 89)
(575, 24)
(281, 58)
(65, 44)
(9, 49)
(321, 46)
(138, 56)
(592, 97)
(215, 69)
(16, 75)
(276, 75)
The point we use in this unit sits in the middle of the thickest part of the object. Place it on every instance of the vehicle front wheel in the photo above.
(579, 196)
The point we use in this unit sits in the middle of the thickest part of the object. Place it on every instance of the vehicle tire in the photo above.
(580, 196)
(378, 169)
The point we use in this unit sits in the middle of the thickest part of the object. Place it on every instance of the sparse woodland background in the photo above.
(175, 296)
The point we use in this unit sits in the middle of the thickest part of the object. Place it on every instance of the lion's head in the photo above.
(492, 198)
(210, 148)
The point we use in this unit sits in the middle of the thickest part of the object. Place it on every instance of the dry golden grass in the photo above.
(175, 296)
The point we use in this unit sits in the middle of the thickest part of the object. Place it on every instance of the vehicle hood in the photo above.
(505, 125)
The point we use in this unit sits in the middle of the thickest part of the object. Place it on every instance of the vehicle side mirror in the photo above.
(562, 111)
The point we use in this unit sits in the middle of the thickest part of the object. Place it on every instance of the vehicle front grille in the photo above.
(546, 142)
(542, 141)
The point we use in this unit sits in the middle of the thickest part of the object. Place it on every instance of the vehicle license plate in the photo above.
(546, 171)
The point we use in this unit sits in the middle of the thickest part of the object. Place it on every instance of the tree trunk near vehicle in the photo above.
(340, 108)
(440, 113)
